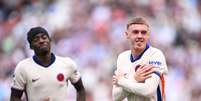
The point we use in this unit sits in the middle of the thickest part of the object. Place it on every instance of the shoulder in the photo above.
(21, 67)
(155, 50)
(24, 63)
(125, 54)
(123, 58)
(67, 61)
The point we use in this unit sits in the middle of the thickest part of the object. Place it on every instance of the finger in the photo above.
(147, 68)
(146, 77)
(148, 72)
(114, 81)
(139, 68)
(114, 77)
(115, 72)
(142, 66)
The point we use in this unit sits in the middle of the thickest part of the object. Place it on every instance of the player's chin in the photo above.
(139, 47)
(43, 50)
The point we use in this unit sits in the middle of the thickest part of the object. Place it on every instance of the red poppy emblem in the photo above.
(60, 77)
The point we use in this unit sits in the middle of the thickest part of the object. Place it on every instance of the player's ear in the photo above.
(126, 34)
(149, 34)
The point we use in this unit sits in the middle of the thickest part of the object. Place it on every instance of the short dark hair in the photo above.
(34, 31)
(137, 20)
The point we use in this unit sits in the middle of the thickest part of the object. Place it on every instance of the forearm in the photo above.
(118, 94)
(144, 89)
(13, 98)
(16, 94)
(81, 96)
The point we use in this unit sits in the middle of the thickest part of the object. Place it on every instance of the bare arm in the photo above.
(16, 94)
(81, 96)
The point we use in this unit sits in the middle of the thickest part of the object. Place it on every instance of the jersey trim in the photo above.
(132, 59)
(159, 98)
(37, 61)
(161, 95)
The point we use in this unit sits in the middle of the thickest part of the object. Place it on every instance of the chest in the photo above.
(54, 76)
(127, 67)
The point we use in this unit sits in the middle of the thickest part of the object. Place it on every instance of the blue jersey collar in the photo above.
(132, 59)
(37, 61)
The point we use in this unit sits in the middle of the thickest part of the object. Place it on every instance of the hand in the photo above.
(117, 76)
(143, 72)
(114, 80)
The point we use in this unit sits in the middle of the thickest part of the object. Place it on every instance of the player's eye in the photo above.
(140, 31)
(136, 31)
(144, 32)
(35, 39)
(44, 36)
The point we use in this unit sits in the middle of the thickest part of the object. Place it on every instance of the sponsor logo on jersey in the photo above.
(60, 77)
(158, 63)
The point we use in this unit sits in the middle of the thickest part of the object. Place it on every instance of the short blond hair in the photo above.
(137, 20)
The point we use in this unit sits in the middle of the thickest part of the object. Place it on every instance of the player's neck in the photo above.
(137, 52)
(44, 58)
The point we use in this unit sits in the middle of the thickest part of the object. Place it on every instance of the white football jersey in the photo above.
(41, 82)
(153, 88)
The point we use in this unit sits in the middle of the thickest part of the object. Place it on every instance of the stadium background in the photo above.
(91, 32)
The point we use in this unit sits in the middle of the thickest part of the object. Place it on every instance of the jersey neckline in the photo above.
(132, 59)
(37, 61)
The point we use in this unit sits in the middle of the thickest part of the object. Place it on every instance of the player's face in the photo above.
(138, 36)
(41, 44)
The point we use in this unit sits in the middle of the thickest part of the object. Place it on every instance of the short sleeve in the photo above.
(123, 63)
(19, 78)
(120, 64)
(158, 60)
(75, 76)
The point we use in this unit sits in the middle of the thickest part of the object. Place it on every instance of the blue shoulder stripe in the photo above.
(159, 97)
(157, 73)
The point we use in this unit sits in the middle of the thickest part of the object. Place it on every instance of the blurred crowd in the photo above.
(92, 33)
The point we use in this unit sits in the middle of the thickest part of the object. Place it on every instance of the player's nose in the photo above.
(139, 35)
(41, 40)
